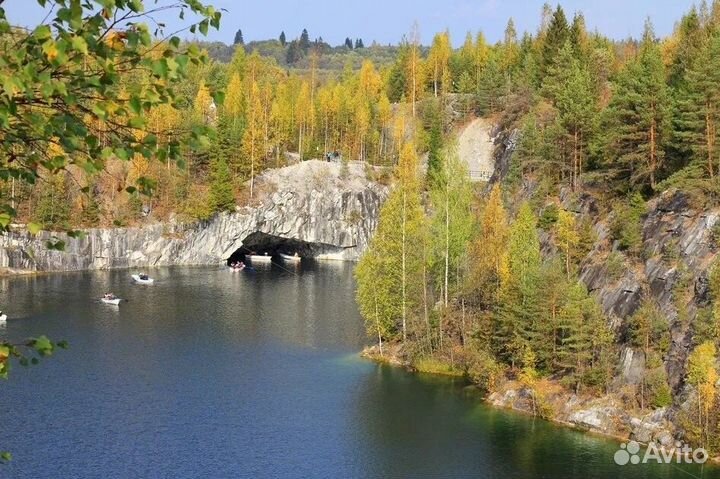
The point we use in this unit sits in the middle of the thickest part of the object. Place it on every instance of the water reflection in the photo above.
(208, 373)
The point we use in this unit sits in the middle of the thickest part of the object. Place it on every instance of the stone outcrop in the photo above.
(313, 201)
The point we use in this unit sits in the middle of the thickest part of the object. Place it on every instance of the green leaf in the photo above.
(34, 228)
(203, 27)
(42, 32)
(79, 44)
(135, 104)
(5, 456)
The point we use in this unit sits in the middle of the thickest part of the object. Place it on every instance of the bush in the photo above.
(484, 370)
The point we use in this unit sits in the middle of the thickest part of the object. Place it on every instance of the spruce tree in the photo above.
(238, 38)
(304, 42)
(557, 34)
(574, 350)
(282, 38)
(348, 43)
(520, 299)
(434, 126)
(222, 197)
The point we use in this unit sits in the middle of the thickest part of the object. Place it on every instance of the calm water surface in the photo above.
(210, 374)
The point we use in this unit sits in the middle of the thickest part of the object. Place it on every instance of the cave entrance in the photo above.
(261, 243)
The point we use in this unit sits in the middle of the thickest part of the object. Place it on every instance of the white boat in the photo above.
(237, 269)
(259, 258)
(292, 258)
(138, 279)
(3, 318)
(113, 301)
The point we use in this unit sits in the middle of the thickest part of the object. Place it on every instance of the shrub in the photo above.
(484, 370)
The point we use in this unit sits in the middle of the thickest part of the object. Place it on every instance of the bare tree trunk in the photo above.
(404, 266)
(377, 324)
(447, 239)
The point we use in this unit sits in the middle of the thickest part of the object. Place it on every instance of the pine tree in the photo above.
(348, 43)
(222, 196)
(696, 125)
(637, 119)
(577, 105)
(282, 38)
(238, 38)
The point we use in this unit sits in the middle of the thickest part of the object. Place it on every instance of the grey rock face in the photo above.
(312, 201)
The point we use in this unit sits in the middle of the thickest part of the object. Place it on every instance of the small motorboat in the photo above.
(237, 267)
(259, 258)
(142, 278)
(111, 299)
(295, 258)
(3, 318)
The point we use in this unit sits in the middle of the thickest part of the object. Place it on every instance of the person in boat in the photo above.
(143, 276)
(109, 296)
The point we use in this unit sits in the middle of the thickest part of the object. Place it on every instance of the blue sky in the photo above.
(386, 20)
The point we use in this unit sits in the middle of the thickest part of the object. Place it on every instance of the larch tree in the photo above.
(567, 237)
(252, 140)
(703, 374)
(489, 268)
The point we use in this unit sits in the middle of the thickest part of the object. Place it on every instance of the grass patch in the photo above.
(436, 366)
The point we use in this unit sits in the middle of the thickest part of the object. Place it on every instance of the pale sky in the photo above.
(386, 20)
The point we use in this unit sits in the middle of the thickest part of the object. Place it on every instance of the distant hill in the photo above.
(330, 58)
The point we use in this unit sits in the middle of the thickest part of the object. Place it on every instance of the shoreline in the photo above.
(391, 358)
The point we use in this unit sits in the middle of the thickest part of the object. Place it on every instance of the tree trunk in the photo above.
(404, 265)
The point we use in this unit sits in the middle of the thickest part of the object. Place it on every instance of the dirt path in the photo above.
(475, 147)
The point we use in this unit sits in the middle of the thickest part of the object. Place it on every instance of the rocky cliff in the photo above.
(319, 208)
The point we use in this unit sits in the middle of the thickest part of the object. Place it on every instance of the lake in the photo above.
(214, 374)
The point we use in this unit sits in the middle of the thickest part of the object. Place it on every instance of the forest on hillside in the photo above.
(621, 120)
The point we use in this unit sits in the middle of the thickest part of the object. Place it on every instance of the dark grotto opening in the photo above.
(261, 243)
